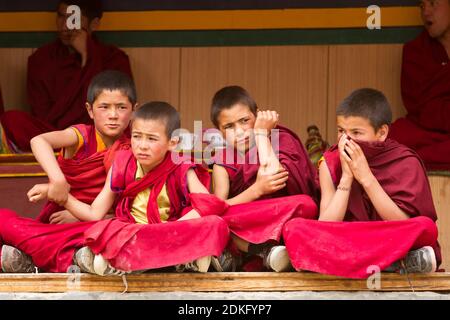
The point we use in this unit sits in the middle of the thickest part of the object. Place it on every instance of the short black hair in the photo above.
(90, 8)
(369, 104)
(111, 80)
(229, 96)
(162, 111)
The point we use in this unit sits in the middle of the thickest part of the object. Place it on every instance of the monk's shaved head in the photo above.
(160, 111)
(228, 97)
(369, 104)
(111, 80)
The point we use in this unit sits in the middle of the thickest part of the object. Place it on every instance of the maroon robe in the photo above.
(348, 248)
(425, 84)
(292, 156)
(86, 171)
(57, 89)
(263, 220)
(129, 246)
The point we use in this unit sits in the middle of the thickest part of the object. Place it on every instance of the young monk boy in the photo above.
(258, 172)
(86, 150)
(157, 220)
(376, 203)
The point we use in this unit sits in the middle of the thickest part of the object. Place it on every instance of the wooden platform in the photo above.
(217, 282)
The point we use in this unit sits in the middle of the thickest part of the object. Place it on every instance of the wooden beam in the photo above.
(216, 282)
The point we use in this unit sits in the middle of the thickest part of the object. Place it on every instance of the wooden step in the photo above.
(217, 282)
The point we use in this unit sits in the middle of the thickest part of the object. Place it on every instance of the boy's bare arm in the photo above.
(221, 182)
(194, 184)
(42, 147)
(265, 122)
(98, 209)
(384, 205)
(333, 203)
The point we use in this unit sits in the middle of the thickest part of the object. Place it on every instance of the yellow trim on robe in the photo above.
(139, 207)
(100, 144)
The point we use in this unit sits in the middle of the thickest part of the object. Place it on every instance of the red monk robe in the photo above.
(57, 88)
(120, 239)
(425, 86)
(263, 220)
(349, 248)
(86, 171)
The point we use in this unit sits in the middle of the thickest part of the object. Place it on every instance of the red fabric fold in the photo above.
(263, 220)
(139, 247)
(348, 249)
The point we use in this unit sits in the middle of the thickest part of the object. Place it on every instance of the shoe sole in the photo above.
(433, 258)
(10, 251)
(100, 265)
(203, 264)
(279, 259)
(85, 260)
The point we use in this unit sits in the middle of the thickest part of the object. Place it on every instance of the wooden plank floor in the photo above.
(216, 282)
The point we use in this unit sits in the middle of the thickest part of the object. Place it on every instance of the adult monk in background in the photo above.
(59, 74)
(425, 86)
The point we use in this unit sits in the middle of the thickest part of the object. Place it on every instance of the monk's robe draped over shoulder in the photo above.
(57, 88)
(86, 171)
(425, 85)
(349, 248)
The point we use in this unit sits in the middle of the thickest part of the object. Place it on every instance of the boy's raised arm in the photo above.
(42, 147)
(98, 209)
(265, 122)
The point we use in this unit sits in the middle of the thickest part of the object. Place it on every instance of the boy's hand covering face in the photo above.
(345, 159)
(358, 163)
(266, 120)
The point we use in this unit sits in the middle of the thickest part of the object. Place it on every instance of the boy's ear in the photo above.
(173, 142)
(135, 107)
(383, 132)
(90, 110)
(94, 25)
